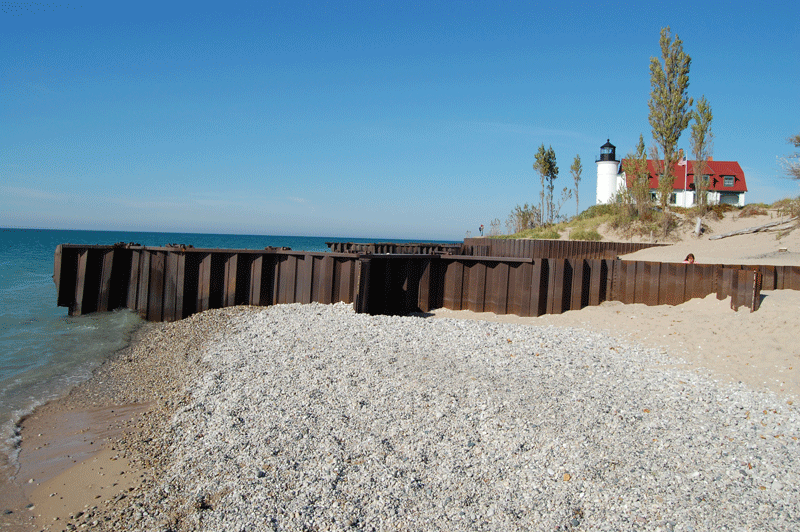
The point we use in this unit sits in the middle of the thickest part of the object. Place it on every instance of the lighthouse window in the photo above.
(728, 180)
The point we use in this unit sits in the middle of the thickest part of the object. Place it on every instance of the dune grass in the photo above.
(626, 221)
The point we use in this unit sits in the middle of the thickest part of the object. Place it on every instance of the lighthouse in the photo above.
(608, 178)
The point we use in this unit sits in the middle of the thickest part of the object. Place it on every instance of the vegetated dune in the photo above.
(773, 245)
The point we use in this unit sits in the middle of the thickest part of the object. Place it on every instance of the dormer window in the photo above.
(727, 180)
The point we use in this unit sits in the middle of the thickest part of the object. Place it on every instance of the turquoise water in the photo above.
(43, 351)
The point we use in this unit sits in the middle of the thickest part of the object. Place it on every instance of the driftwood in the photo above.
(753, 229)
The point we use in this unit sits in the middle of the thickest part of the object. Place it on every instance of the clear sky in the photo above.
(415, 120)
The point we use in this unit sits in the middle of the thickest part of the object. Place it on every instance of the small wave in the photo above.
(52, 361)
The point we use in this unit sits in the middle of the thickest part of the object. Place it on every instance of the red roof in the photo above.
(718, 171)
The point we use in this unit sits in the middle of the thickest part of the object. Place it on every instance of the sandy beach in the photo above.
(86, 457)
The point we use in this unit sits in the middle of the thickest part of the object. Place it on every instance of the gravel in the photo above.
(313, 417)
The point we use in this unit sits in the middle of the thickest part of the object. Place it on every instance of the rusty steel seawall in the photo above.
(171, 283)
(415, 248)
(532, 287)
(549, 249)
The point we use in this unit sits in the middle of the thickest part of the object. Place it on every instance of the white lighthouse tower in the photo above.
(608, 179)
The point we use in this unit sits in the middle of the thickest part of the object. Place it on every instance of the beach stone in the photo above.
(338, 414)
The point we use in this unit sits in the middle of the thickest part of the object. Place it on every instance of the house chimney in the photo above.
(710, 158)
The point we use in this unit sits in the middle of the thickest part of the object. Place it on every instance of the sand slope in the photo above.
(771, 246)
(759, 349)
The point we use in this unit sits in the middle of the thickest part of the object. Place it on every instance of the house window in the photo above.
(728, 180)
(673, 199)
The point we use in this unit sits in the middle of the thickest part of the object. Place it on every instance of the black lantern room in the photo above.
(608, 152)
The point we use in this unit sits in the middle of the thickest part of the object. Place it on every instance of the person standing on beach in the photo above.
(689, 259)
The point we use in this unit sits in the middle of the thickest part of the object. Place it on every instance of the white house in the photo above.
(726, 181)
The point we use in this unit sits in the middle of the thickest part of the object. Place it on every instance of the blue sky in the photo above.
(357, 119)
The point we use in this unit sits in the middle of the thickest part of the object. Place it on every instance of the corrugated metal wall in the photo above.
(549, 249)
(414, 248)
(527, 287)
(168, 283)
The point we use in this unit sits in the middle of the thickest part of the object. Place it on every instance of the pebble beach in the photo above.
(313, 417)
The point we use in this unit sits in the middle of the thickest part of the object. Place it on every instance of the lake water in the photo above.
(43, 351)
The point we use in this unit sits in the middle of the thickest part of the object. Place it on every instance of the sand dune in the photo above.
(773, 246)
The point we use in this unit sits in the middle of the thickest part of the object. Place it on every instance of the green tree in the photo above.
(577, 170)
(552, 174)
(638, 176)
(702, 144)
(540, 166)
(548, 171)
(566, 195)
(670, 107)
(792, 166)
(525, 217)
